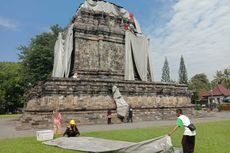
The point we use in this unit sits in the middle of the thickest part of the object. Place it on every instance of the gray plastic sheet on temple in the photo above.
(122, 105)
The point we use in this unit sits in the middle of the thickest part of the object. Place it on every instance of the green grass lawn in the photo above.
(10, 115)
(213, 137)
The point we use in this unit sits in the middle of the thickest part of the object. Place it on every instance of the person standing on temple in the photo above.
(130, 114)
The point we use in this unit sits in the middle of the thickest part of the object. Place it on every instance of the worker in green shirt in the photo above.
(188, 140)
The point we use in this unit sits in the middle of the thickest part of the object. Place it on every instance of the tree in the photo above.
(222, 77)
(183, 77)
(165, 72)
(11, 87)
(37, 57)
(198, 83)
(2, 100)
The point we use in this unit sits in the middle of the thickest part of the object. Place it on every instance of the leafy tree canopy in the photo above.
(37, 57)
(165, 72)
(222, 77)
(183, 76)
(198, 83)
(11, 89)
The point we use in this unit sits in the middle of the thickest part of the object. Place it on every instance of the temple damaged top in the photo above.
(103, 41)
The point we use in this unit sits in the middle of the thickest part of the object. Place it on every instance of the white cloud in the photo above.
(198, 30)
(7, 23)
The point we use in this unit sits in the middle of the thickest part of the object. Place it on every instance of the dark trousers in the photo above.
(188, 144)
(109, 121)
(130, 118)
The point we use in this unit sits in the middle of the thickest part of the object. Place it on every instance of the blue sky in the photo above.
(198, 30)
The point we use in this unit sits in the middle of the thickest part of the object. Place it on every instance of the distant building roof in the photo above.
(219, 90)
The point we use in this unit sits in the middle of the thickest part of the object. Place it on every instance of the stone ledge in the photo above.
(104, 87)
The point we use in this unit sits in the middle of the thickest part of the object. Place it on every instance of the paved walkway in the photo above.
(7, 125)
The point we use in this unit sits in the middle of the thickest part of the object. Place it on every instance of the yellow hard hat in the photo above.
(72, 122)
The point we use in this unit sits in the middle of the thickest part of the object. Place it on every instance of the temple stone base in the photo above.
(87, 101)
(44, 119)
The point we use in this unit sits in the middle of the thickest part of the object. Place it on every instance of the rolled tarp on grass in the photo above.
(90, 144)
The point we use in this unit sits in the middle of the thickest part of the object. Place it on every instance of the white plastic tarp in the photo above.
(89, 144)
(122, 106)
(68, 47)
(158, 145)
(102, 6)
(58, 69)
(138, 28)
(151, 68)
(62, 54)
(137, 53)
(129, 66)
(106, 7)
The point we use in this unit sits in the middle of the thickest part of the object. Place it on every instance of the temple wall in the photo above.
(44, 119)
(87, 101)
(99, 57)
(99, 46)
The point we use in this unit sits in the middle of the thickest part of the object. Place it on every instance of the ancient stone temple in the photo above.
(102, 50)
